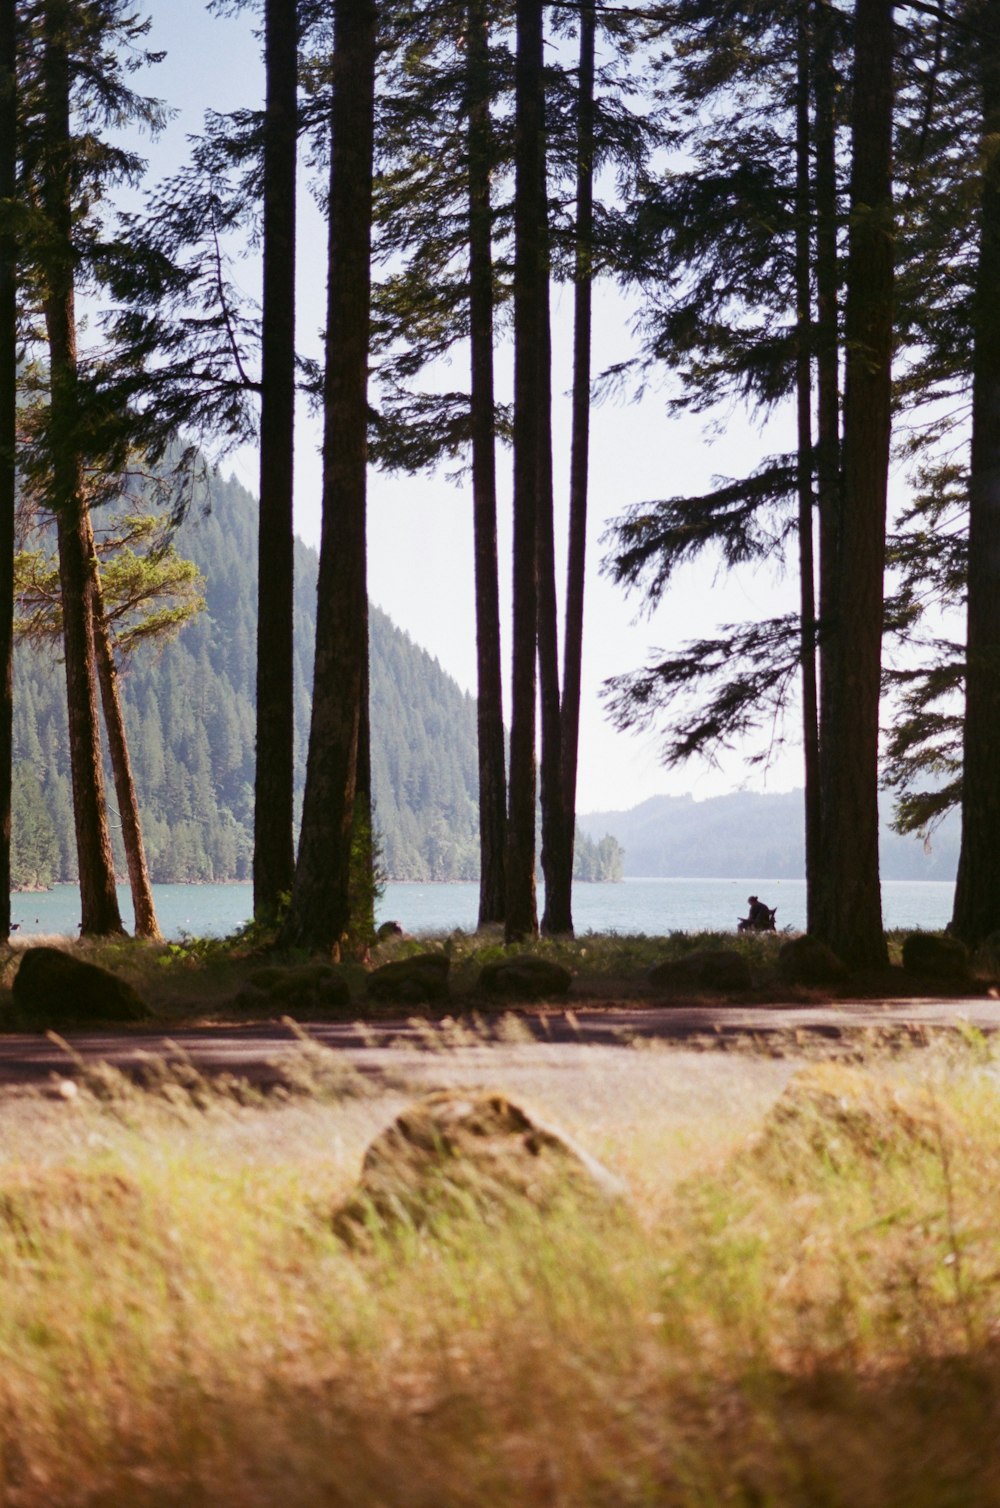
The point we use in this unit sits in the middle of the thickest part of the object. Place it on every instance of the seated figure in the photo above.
(760, 918)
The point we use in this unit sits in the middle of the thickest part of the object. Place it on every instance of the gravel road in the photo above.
(29, 1059)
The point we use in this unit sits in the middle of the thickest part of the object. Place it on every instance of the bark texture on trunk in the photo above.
(803, 378)
(8, 439)
(274, 858)
(850, 909)
(363, 835)
(827, 345)
(977, 892)
(556, 855)
(579, 463)
(99, 900)
(121, 762)
(319, 917)
(529, 385)
(489, 704)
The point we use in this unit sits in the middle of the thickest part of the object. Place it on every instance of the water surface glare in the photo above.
(651, 906)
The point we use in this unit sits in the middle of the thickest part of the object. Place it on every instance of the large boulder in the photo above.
(830, 1109)
(704, 969)
(935, 956)
(306, 988)
(420, 980)
(456, 1152)
(51, 985)
(524, 977)
(806, 960)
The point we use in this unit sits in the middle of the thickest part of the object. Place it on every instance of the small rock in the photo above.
(806, 960)
(935, 956)
(705, 968)
(525, 977)
(51, 985)
(456, 1152)
(419, 980)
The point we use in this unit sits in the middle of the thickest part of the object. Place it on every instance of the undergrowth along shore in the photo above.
(798, 1306)
(194, 979)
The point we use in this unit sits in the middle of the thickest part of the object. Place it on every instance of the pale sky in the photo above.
(420, 528)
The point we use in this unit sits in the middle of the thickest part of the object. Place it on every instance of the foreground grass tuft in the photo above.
(812, 1320)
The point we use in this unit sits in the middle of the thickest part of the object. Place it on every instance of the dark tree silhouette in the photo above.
(482, 416)
(977, 892)
(274, 857)
(849, 910)
(99, 900)
(8, 425)
(320, 912)
(530, 385)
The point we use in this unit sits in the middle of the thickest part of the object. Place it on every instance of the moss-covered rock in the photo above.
(935, 956)
(454, 1152)
(832, 1109)
(806, 960)
(525, 977)
(51, 986)
(420, 980)
(311, 987)
(703, 969)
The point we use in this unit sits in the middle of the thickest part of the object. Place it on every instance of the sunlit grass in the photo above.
(798, 1308)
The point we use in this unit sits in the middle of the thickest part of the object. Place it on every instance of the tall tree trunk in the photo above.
(489, 706)
(274, 857)
(850, 913)
(319, 916)
(579, 462)
(8, 429)
(828, 486)
(99, 899)
(803, 362)
(556, 855)
(121, 763)
(530, 289)
(977, 893)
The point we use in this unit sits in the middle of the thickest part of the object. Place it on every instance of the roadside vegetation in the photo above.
(796, 1305)
(194, 979)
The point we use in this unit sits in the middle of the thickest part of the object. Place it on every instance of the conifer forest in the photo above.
(800, 202)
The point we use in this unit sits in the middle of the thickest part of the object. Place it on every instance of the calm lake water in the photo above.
(632, 906)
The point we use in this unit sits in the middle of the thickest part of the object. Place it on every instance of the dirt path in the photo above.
(241, 1049)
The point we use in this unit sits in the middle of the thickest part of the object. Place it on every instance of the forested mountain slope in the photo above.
(190, 715)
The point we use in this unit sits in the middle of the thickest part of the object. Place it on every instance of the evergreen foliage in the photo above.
(190, 713)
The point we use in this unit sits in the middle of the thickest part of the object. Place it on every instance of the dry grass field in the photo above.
(797, 1305)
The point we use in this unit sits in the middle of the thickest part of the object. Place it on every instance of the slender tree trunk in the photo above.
(850, 913)
(803, 362)
(557, 852)
(977, 893)
(492, 754)
(319, 916)
(363, 839)
(121, 763)
(827, 346)
(530, 288)
(99, 899)
(8, 430)
(579, 464)
(274, 858)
